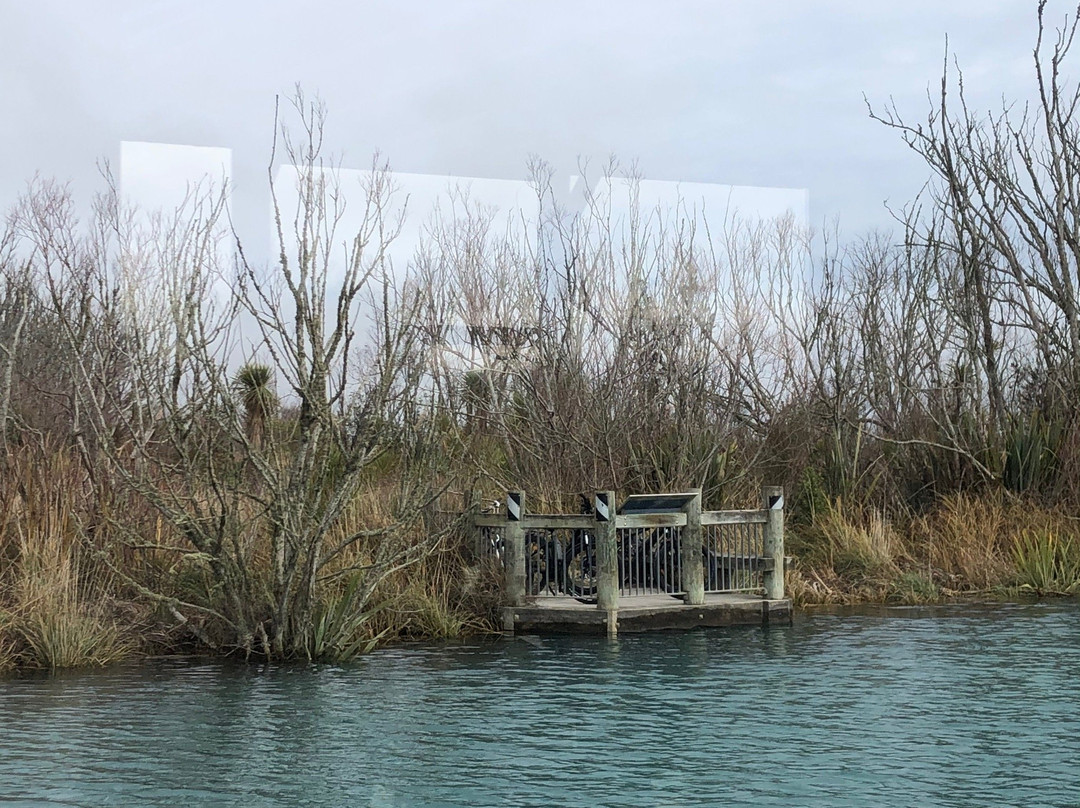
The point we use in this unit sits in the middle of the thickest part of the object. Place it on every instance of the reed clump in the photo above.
(449, 594)
(8, 657)
(846, 554)
(964, 542)
(914, 587)
(58, 602)
(965, 545)
(861, 544)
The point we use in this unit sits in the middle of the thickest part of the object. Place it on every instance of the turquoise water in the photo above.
(957, 706)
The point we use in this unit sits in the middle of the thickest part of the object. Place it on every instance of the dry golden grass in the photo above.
(860, 540)
(847, 549)
(969, 542)
(56, 600)
(59, 607)
(808, 586)
(443, 596)
(8, 657)
(965, 540)
(965, 545)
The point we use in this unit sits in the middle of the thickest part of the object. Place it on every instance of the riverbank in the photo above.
(966, 546)
(64, 606)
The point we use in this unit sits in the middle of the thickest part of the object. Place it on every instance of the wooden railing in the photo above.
(605, 556)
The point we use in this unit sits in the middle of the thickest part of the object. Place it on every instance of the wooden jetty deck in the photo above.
(657, 562)
(565, 615)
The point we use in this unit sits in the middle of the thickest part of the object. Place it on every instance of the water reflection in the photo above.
(957, 706)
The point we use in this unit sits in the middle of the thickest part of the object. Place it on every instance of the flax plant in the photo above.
(1048, 563)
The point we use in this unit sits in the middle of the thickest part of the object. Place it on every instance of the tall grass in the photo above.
(964, 545)
(845, 553)
(855, 542)
(8, 658)
(56, 600)
(965, 541)
(444, 596)
(1047, 563)
(61, 618)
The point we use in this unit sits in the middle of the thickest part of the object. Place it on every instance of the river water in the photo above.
(955, 706)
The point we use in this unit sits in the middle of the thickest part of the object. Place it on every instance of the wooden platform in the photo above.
(565, 615)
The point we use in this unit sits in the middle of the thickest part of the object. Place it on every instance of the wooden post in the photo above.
(773, 501)
(692, 550)
(607, 559)
(515, 548)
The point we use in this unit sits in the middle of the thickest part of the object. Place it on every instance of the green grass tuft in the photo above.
(914, 587)
(1047, 563)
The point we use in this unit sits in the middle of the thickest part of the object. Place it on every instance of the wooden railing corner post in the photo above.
(692, 552)
(514, 537)
(772, 497)
(607, 558)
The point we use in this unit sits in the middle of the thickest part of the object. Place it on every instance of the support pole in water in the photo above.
(773, 501)
(692, 550)
(515, 548)
(607, 560)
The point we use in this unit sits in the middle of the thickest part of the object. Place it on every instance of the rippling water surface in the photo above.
(957, 706)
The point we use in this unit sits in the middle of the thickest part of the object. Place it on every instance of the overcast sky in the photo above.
(725, 91)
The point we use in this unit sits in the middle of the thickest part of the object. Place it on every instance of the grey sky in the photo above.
(732, 92)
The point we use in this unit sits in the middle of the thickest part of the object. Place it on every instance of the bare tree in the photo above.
(1006, 208)
(276, 514)
(18, 290)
